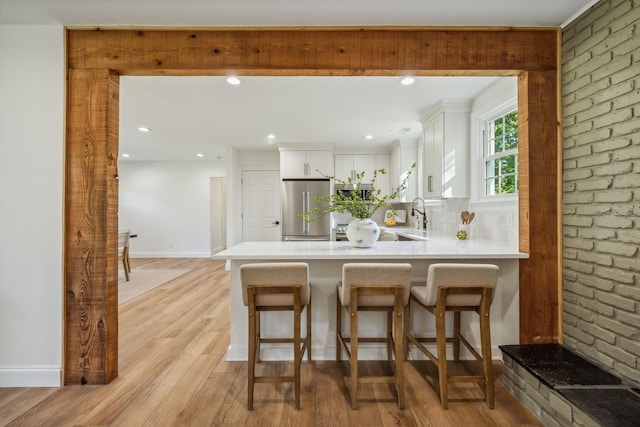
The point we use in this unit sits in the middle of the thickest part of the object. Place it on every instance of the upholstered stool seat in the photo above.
(276, 287)
(373, 287)
(456, 288)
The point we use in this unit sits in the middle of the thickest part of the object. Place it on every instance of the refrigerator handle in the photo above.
(306, 209)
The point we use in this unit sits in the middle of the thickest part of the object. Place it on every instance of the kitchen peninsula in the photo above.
(325, 259)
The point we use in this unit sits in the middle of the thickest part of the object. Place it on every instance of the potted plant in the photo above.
(362, 231)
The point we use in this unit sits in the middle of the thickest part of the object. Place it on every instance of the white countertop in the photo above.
(409, 232)
(434, 248)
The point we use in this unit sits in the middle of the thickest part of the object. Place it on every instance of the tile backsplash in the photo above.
(497, 221)
(494, 220)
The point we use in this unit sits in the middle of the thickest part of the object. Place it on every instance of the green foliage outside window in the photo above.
(501, 155)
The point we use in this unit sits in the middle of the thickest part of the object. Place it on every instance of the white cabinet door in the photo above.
(319, 164)
(403, 156)
(446, 152)
(347, 166)
(364, 163)
(305, 164)
(293, 164)
(433, 152)
(343, 164)
(382, 181)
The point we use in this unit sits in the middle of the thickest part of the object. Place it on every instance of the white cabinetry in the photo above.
(305, 164)
(347, 166)
(404, 153)
(446, 150)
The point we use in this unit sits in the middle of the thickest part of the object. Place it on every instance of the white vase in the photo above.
(363, 233)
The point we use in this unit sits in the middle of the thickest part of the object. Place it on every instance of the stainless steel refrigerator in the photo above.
(299, 196)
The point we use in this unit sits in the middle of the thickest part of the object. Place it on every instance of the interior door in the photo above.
(261, 206)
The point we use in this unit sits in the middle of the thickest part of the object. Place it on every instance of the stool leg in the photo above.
(338, 328)
(441, 339)
(297, 357)
(353, 321)
(485, 343)
(390, 328)
(257, 318)
(126, 270)
(308, 336)
(252, 359)
(399, 341)
(407, 330)
(456, 335)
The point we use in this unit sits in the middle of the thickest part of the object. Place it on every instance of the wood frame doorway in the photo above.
(97, 57)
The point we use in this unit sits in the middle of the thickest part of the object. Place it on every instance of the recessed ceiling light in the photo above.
(233, 80)
(408, 81)
(144, 129)
(199, 155)
(125, 155)
(368, 137)
(271, 136)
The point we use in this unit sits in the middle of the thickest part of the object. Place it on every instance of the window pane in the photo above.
(501, 171)
(511, 140)
(508, 164)
(490, 187)
(507, 185)
(511, 122)
(491, 169)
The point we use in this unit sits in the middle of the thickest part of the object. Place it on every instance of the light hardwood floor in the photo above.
(173, 372)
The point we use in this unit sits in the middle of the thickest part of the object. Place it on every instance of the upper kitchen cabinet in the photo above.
(446, 149)
(347, 166)
(404, 153)
(305, 163)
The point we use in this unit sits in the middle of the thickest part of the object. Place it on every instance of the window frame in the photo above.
(485, 121)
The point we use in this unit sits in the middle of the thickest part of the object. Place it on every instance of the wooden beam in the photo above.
(91, 228)
(338, 51)
(97, 56)
(538, 149)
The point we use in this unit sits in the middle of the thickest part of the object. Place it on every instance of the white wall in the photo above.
(31, 195)
(239, 161)
(167, 204)
(496, 218)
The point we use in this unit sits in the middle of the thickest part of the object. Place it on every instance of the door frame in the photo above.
(97, 57)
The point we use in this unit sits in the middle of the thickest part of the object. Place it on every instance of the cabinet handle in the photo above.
(306, 169)
(430, 183)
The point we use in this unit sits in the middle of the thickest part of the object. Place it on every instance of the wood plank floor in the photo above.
(173, 372)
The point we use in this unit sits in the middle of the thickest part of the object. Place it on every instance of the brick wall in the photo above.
(601, 186)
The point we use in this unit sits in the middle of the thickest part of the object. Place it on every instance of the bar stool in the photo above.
(276, 287)
(456, 288)
(373, 287)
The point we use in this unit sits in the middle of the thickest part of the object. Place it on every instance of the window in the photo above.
(500, 155)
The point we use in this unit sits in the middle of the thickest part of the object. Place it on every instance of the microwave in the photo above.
(348, 190)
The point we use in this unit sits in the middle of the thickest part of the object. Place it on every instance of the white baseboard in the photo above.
(36, 376)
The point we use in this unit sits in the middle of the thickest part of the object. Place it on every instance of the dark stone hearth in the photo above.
(610, 407)
(557, 367)
(587, 387)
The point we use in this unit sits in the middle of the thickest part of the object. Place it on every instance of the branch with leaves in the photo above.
(353, 202)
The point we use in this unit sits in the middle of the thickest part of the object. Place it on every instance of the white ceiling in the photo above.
(190, 115)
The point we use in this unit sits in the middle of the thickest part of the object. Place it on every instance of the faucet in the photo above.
(423, 212)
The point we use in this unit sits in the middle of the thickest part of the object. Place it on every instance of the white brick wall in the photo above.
(601, 186)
